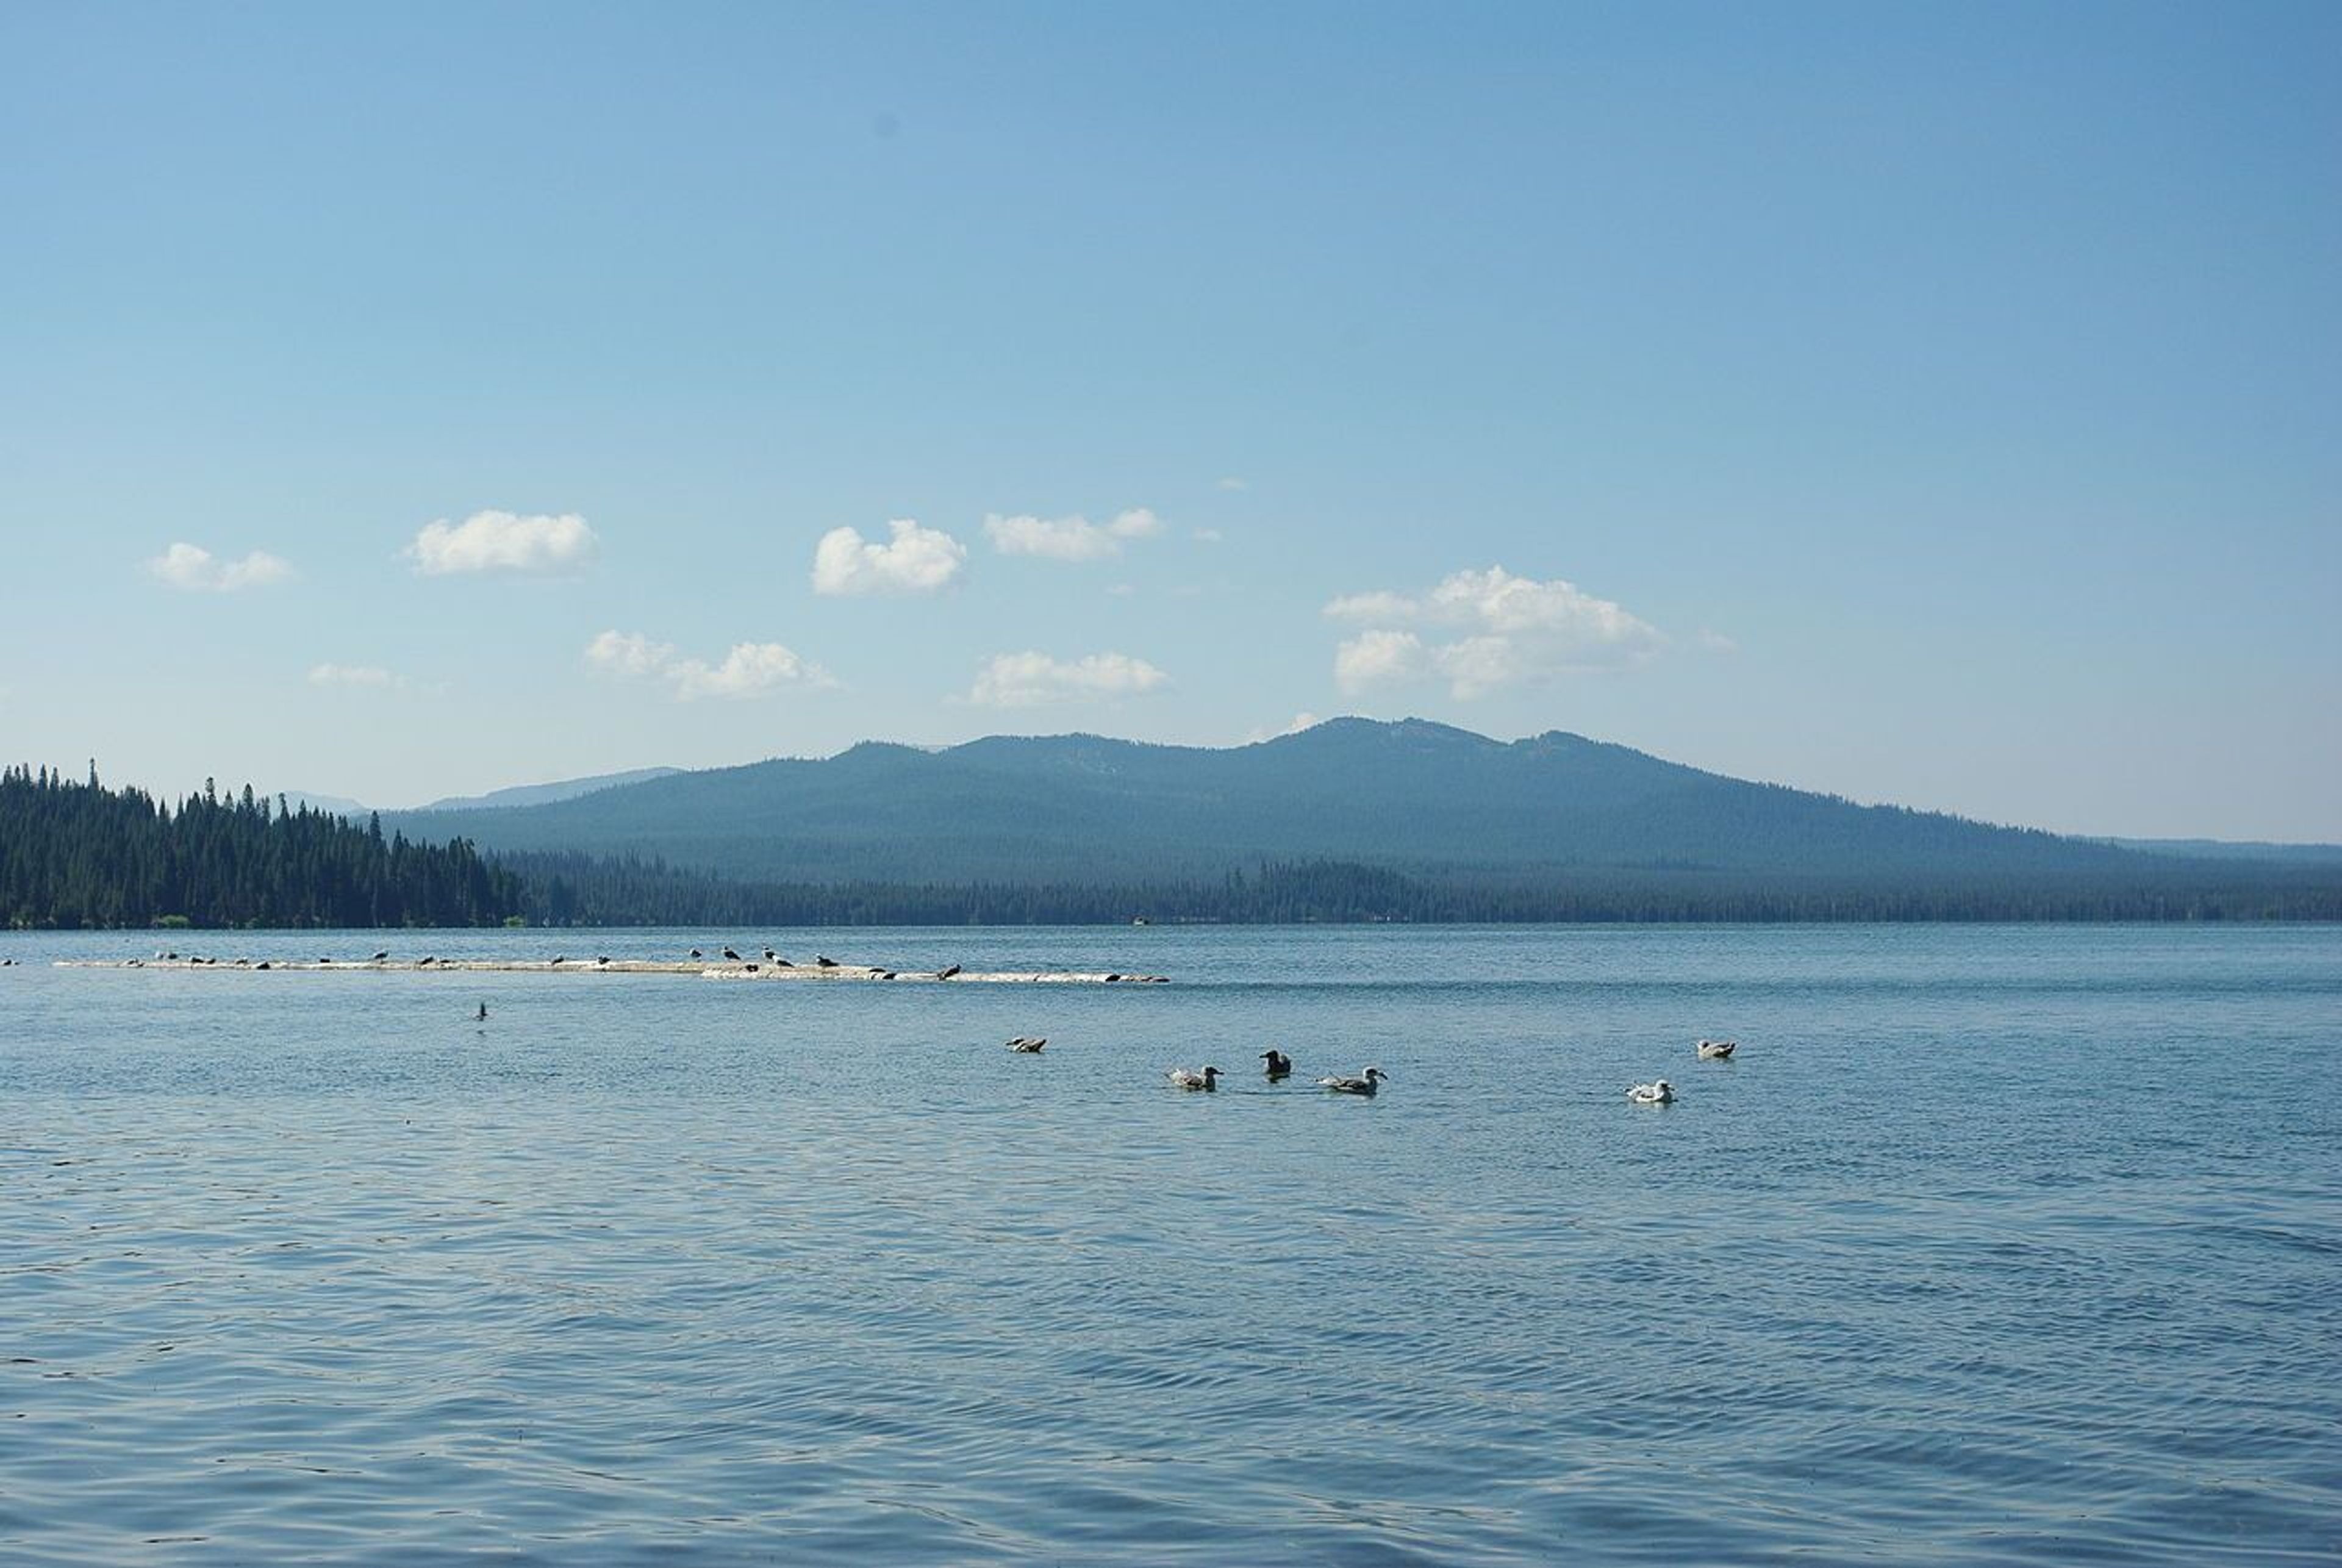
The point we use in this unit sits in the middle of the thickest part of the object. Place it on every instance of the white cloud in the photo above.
(1513, 629)
(916, 561)
(1371, 658)
(503, 541)
(1716, 641)
(196, 570)
(629, 654)
(1208, 535)
(1233, 482)
(1070, 538)
(1030, 679)
(750, 670)
(373, 676)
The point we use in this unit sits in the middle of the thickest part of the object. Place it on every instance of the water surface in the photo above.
(1995, 1245)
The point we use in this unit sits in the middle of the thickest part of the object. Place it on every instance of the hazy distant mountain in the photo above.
(546, 793)
(331, 804)
(1411, 795)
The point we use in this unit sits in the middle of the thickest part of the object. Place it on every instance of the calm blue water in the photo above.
(1995, 1245)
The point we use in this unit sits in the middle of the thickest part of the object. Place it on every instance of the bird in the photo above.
(1028, 1044)
(1659, 1092)
(752, 968)
(696, 953)
(604, 958)
(771, 956)
(732, 956)
(426, 961)
(1366, 1083)
(1208, 1080)
(559, 960)
(1717, 1050)
(947, 973)
(378, 958)
(482, 1016)
(262, 964)
(824, 960)
(1280, 1065)
(1112, 978)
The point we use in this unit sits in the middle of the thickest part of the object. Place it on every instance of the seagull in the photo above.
(825, 961)
(1208, 1080)
(1660, 1092)
(1112, 978)
(604, 959)
(378, 958)
(947, 973)
(696, 953)
(426, 961)
(1366, 1083)
(1280, 1065)
(1717, 1050)
(1027, 1044)
(771, 956)
(732, 956)
(560, 960)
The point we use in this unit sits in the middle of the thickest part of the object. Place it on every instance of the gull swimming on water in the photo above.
(1717, 1050)
(1660, 1092)
(1366, 1083)
(1208, 1080)
(1280, 1065)
(1028, 1044)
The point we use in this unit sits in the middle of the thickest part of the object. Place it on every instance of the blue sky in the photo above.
(1931, 404)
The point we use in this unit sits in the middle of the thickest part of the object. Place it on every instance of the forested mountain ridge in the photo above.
(1412, 797)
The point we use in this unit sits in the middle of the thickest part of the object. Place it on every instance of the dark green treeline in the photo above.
(74, 854)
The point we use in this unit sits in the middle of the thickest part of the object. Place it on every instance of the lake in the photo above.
(1994, 1245)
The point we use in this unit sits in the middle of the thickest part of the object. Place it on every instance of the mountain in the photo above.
(2324, 855)
(331, 804)
(1412, 795)
(546, 793)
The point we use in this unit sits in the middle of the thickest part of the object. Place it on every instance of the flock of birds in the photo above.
(1276, 1066)
(1659, 1091)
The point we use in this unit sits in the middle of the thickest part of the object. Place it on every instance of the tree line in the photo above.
(77, 854)
(74, 853)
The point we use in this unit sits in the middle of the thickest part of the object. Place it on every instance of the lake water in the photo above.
(1994, 1245)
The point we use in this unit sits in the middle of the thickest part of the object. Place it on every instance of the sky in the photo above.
(1934, 403)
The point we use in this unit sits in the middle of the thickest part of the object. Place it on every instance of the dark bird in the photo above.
(696, 953)
(771, 956)
(1280, 1065)
(732, 956)
(378, 958)
(604, 959)
(482, 1016)
(753, 968)
(947, 973)
(262, 964)
(559, 960)
(887, 975)
(426, 961)
(825, 962)
(1112, 978)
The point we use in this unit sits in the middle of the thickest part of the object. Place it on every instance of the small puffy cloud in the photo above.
(628, 653)
(1233, 482)
(1030, 679)
(750, 670)
(915, 561)
(1509, 630)
(1299, 722)
(1372, 658)
(504, 542)
(1070, 538)
(195, 570)
(1208, 535)
(362, 676)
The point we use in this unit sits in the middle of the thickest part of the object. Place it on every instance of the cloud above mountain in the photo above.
(1485, 630)
(1035, 679)
(748, 669)
(916, 560)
